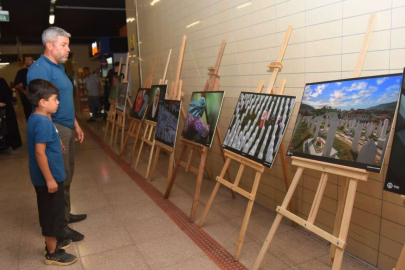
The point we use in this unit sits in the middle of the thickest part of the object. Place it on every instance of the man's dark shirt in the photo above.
(21, 77)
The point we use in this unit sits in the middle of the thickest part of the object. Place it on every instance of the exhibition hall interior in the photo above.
(202, 134)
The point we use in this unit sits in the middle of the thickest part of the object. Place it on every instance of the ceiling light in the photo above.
(51, 19)
(154, 2)
(131, 19)
(4, 64)
(140, 42)
(244, 5)
(192, 24)
(53, 1)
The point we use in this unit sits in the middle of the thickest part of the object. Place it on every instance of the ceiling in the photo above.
(29, 18)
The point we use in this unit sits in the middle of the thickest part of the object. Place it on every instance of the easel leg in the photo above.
(278, 219)
(130, 131)
(223, 157)
(286, 178)
(190, 159)
(106, 130)
(150, 159)
(198, 185)
(247, 217)
(176, 170)
(112, 130)
(344, 230)
(213, 194)
(171, 165)
(140, 149)
(138, 131)
(339, 213)
(117, 127)
(152, 174)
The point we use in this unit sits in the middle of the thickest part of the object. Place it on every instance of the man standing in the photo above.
(49, 67)
(20, 84)
(95, 91)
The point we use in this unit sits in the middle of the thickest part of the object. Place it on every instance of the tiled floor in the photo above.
(128, 229)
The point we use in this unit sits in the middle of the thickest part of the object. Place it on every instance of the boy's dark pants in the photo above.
(51, 209)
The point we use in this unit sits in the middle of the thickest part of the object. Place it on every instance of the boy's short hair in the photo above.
(40, 89)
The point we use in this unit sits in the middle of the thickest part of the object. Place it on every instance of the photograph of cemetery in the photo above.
(168, 121)
(257, 126)
(347, 122)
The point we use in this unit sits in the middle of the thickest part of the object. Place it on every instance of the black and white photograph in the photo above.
(257, 126)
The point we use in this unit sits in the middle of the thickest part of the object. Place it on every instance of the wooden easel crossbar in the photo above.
(346, 195)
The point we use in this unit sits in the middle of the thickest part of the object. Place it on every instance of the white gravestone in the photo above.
(367, 153)
(356, 138)
(334, 123)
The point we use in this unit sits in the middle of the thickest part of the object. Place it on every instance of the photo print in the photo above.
(115, 87)
(123, 93)
(202, 117)
(140, 104)
(168, 121)
(157, 92)
(347, 122)
(257, 126)
(395, 178)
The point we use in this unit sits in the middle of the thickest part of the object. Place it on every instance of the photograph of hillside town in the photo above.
(347, 122)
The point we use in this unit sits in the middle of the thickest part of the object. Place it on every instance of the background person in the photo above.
(94, 91)
(20, 84)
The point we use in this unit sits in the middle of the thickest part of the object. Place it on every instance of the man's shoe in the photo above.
(60, 244)
(69, 233)
(60, 257)
(77, 218)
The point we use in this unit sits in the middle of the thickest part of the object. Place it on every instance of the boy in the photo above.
(47, 171)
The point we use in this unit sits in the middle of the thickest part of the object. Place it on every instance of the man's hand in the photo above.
(63, 147)
(2, 104)
(79, 135)
(52, 186)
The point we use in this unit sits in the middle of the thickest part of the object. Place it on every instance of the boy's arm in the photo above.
(44, 166)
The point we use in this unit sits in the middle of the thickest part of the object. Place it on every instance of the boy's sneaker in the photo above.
(60, 244)
(60, 257)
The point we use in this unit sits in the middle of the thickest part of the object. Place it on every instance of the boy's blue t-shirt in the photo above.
(40, 129)
(47, 70)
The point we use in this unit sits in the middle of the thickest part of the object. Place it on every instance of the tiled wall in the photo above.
(324, 45)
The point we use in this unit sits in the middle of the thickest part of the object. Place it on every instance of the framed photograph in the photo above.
(140, 104)
(168, 121)
(202, 117)
(257, 126)
(157, 92)
(395, 178)
(347, 122)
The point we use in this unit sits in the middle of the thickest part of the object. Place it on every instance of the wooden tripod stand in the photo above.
(259, 168)
(110, 120)
(135, 125)
(149, 138)
(346, 197)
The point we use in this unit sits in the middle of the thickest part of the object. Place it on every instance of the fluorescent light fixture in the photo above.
(131, 19)
(192, 24)
(4, 64)
(140, 42)
(53, 1)
(244, 5)
(51, 19)
(154, 2)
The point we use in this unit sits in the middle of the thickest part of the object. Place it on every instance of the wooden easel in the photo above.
(110, 120)
(212, 84)
(401, 260)
(121, 115)
(346, 196)
(150, 127)
(135, 125)
(259, 168)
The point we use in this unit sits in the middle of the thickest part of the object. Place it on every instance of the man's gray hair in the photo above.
(51, 33)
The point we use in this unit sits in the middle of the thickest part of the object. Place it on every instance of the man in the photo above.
(95, 91)
(49, 67)
(20, 84)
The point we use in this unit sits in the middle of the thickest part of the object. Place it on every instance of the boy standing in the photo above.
(47, 170)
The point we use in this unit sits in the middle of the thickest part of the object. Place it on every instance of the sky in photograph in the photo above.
(357, 94)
